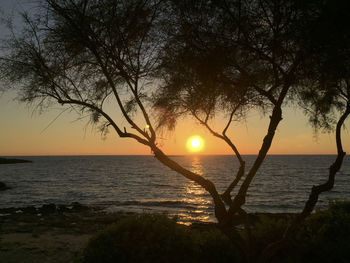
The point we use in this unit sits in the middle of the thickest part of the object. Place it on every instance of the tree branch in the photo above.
(273, 248)
(239, 199)
(226, 196)
(108, 118)
(220, 210)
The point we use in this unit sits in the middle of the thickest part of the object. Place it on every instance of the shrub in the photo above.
(214, 246)
(268, 229)
(156, 238)
(141, 238)
(326, 236)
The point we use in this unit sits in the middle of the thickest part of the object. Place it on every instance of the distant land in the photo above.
(10, 161)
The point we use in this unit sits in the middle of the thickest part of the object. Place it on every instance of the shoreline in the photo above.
(50, 233)
(59, 233)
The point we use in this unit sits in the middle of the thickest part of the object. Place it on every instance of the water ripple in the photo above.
(140, 183)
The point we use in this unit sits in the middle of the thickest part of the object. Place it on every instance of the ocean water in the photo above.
(142, 184)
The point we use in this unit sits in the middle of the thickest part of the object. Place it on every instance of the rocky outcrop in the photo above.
(10, 161)
(3, 186)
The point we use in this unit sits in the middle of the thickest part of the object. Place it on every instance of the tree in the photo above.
(234, 56)
(325, 93)
(80, 52)
(210, 57)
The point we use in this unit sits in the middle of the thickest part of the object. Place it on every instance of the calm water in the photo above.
(141, 183)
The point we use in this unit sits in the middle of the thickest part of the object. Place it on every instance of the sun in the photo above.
(195, 143)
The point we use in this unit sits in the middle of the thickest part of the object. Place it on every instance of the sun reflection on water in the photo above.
(196, 166)
(194, 194)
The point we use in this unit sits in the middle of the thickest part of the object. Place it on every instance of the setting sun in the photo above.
(195, 144)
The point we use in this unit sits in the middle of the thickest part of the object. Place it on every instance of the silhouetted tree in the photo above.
(208, 58)
(233, 56)
(82, 52)
(325, 93)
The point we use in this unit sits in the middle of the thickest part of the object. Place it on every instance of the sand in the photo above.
(52, 236)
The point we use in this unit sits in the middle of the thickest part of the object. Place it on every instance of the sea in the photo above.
(143, 184)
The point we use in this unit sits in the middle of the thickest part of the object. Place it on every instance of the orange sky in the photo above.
(22, 133)
(25, 133)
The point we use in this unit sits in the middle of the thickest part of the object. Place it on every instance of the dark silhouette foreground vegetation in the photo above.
(325, 237)
(156, 238)
(157, 61)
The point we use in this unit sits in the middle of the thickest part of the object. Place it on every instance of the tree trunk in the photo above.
(220, 210)
(272, 249)
(239, 200)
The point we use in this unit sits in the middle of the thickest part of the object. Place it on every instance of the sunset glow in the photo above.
(195, 144)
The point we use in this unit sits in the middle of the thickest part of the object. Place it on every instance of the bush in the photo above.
(323, 238)
(326, 236)
(269, 229)
(156, 238)
(141, 238)
(214, 246)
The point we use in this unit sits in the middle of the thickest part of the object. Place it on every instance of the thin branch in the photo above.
(92, 47)
(229, 120)
(120, 104)
(265, 93)
(108, 118)
(54, 120)
(226, 196)
(216, 134)
(272, 248)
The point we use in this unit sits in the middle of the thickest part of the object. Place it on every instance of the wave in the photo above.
(165, 203)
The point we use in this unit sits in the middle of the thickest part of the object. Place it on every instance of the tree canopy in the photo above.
(165, 59)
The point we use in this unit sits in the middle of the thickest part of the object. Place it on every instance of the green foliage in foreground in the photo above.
(325, 237)
(156, 238)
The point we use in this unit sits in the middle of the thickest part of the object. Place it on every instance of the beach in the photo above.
(55, 234)
(58, 234)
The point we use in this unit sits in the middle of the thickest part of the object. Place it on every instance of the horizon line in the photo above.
(170, 155)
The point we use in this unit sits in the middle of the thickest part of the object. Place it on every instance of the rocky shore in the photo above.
(50, 233)
(59, 233)
(12, 161)
(3, 186)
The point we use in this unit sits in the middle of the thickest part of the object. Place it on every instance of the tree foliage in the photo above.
(160, 60)
(326, 92)
(82, 52)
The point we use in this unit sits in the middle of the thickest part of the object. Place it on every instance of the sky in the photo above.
(24, 131)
